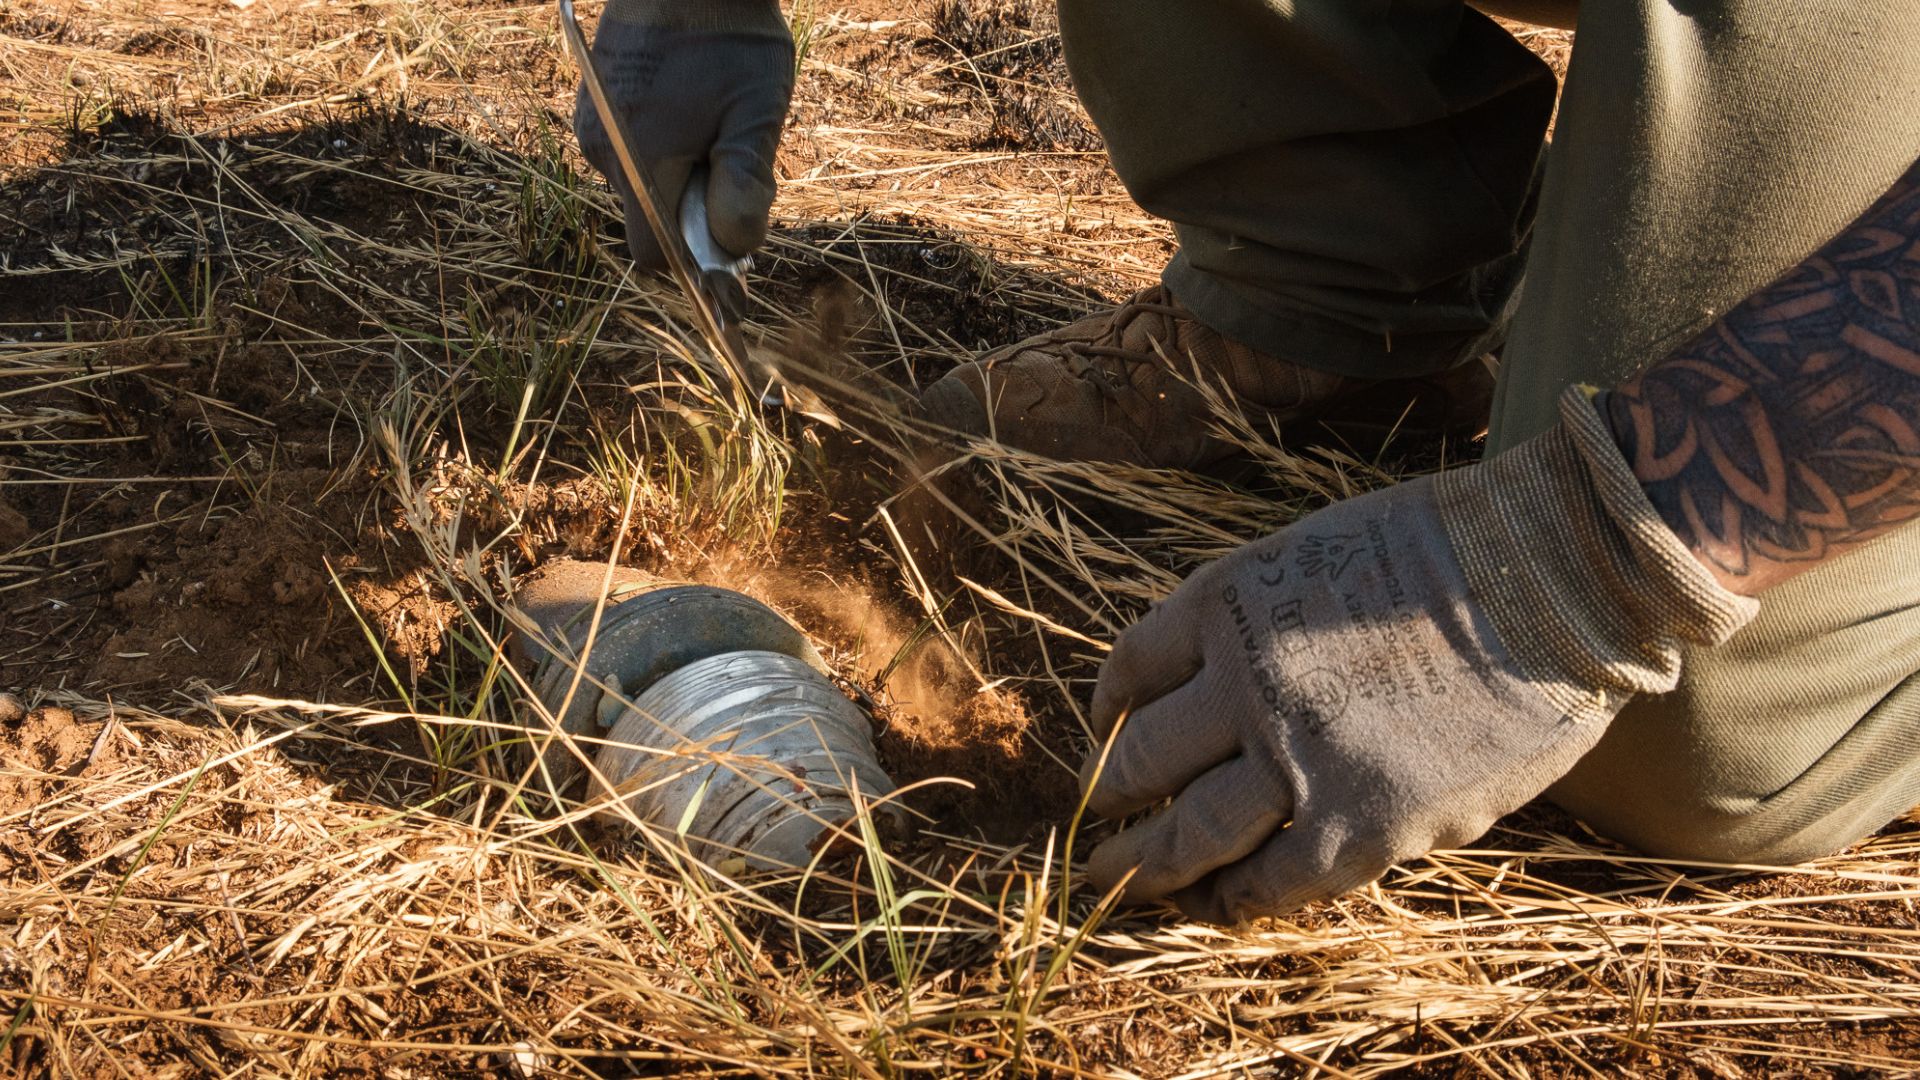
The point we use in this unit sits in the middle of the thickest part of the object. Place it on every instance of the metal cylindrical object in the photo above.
(724, 726)
(747, 753)
(657, 632)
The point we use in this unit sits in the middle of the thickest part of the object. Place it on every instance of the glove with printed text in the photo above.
(1390, 675)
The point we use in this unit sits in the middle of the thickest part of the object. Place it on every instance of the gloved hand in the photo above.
(1390, 675)
(693, 82)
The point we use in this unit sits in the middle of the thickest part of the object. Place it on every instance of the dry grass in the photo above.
(255, 302)
(201, 897)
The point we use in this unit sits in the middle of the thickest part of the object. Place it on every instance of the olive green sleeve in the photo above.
(1583, 581)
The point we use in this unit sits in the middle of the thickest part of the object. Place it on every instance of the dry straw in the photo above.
(219, 883)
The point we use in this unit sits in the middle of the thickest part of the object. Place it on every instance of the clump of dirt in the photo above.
(36, 27)
(207, 583)
(239, 601)
(42, 750)
(1014, 787)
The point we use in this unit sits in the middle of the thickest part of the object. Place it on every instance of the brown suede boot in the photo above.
(1119, 386)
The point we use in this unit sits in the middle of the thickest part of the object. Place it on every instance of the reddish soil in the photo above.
(215, 545)
(51, 742)
(211, 562)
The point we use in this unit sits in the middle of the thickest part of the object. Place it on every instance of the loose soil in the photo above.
(234, 530)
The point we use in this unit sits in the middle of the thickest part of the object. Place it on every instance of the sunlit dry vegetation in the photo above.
(316, 335)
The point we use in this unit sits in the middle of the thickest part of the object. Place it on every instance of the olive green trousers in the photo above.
(1361, 186)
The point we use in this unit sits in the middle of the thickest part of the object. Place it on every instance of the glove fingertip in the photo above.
(1111, 695)
(1117, 860)
(1201, 902)
(1092, 769)
(1103, 786)
(1149, 658)
(738, 206)
(1296, 868)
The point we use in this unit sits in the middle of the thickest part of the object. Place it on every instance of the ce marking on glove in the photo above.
(1289, 627)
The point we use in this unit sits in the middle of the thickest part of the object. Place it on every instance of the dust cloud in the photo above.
(923, 676)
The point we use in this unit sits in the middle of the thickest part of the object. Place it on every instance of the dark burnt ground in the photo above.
(194, 472)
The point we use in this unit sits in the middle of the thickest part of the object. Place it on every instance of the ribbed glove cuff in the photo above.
(757, 17)
(1589, 590)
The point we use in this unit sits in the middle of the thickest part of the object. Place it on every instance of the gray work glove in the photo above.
(694, 82)
(1390, 675)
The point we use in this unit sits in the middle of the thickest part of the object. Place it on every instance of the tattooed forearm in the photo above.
(1789, 430)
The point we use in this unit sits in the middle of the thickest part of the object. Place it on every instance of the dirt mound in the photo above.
(42, 747)
(240, 601)
(246, 597)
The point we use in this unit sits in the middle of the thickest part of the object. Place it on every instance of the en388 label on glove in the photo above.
(1389, 659)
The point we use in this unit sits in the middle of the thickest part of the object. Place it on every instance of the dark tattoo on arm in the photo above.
(1789, 430)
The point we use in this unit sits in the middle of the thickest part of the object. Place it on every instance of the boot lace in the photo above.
(1106, 363)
